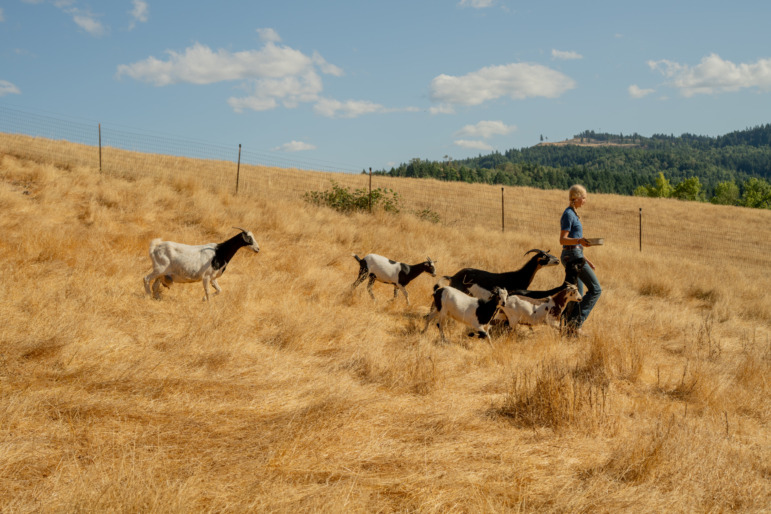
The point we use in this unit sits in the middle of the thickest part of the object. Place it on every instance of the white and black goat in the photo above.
(382, 269)
(521, 310)
(177, 262)
(480, 283)
(474, 312)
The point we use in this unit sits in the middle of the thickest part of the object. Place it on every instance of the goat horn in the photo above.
(533, 250)
(241, 229)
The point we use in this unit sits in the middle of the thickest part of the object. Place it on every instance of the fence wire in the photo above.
(653, 225)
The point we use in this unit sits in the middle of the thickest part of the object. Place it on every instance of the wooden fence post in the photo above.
(100, 148)
(238, 168)
(641, 229)
(370, 190)
(502, 212)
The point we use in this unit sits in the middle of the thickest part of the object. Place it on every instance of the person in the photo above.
(573, 243)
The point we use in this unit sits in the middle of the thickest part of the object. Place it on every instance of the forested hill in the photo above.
(613, 163)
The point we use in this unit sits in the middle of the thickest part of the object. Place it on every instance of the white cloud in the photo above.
(6, 88)
(473, 145)
(325, 67)
(477, 4)
(274, 75)
(140, 13)
(637, 92)
(254, 103)
(2, 18)
(715, 75)
(568, 55)
(89, 23)
(199, 64)
(294, 146)
(348, 109)
(331, 108)
(291, 90)
(269, 35)
(442, 109)
(486, 129)
(517, 81)
(84, 19)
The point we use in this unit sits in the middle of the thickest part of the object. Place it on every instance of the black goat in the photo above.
(571, 277)
(480, 283)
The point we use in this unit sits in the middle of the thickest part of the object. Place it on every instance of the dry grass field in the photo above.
(289, 393)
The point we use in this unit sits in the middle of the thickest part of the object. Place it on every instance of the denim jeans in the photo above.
(576, 312)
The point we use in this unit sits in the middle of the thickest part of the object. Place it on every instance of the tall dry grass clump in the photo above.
(289, 392)
(557, 396)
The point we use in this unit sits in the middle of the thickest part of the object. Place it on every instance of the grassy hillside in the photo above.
(288, 392)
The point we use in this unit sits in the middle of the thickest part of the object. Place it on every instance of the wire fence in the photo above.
(709, 233)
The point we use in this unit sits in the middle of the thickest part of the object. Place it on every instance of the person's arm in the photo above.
(570, 241)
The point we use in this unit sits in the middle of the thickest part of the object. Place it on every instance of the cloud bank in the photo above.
(517, 81)
(274, 75)
(714, 75)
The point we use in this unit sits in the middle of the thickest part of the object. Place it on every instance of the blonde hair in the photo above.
(576, 191)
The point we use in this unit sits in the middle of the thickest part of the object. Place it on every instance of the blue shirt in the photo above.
(572, 224)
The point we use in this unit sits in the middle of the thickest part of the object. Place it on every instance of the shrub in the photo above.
(428, 215)
(344, 200)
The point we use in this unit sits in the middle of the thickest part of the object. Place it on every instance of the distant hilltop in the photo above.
(581, 141)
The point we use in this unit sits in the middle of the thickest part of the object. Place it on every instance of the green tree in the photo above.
(688, 189)
(726, 193)
(757, 194)
(661, 189)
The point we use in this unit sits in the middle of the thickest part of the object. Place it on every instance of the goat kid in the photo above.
(474, 312)
(178, 262)
(522, 310)
(382, 269)
(480, 283)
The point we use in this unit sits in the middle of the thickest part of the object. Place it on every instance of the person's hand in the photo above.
(584, 242)
(591, 265)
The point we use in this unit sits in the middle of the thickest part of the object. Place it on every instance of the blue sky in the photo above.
(375, 84)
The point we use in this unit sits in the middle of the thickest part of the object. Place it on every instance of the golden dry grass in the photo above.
(287, 392)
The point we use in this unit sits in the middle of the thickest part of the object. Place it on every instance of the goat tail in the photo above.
(356, 257)
(154, 244)
(443, 281)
